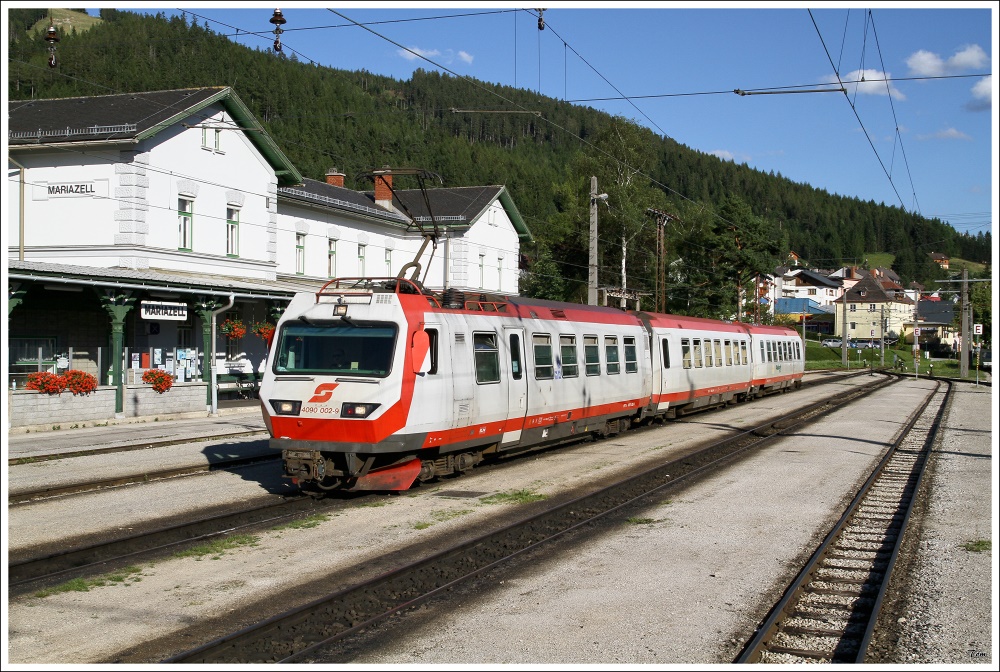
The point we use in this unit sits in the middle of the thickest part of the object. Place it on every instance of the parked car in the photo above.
(831, 343)
(986, 359)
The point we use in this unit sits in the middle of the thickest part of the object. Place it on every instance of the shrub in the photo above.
(43, 381)
(159, 379)
(80, 382)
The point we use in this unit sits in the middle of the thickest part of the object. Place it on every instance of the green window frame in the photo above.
(631, 360)
(611, 354)
(232, 232)
(185, 223)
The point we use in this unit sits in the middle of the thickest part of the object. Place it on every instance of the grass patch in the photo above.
(513, 497)
(440, 517)
(123, 576)
(978, 546)
(217, 548)
(635, 520)
(304, 523)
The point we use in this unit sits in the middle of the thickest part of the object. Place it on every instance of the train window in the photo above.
(744, 354)
(432, 337)
(696, 342)
(763, 352)
(591, 353)
(786, 353)
(357, 349)
(772, 351)
(718, 352)
(798, 350)
(487, 358)
(515, 357)
(666, 354)
(542, 344)
(727, 347)
(567, 350)
(611, 354)
(685, 352)
(631, 363)
(709, 357)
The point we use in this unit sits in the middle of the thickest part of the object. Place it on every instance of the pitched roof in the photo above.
(451, 207)
(936, 312)
(130, 118)
(812, 278)
(869, 290)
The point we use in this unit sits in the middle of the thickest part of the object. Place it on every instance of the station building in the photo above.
(136, 222)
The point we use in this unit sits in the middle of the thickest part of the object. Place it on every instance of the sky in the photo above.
(923, 141)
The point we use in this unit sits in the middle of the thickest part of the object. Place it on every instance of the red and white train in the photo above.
(373, 384)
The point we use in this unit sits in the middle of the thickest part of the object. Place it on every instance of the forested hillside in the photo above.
(728, 222)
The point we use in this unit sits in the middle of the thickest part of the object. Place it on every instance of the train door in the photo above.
(436, 383)
(517, 388)
(661, 371)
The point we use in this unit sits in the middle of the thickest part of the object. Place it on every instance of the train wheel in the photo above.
(426, 471)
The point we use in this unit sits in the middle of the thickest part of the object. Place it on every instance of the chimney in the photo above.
(383, 187)
(335, 177)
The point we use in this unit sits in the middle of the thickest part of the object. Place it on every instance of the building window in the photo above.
(812, 292)
(499, 274)
(300, 253)
(204, 138)
(853, 307)
(567, 350)
(361, 260)
(232, 232)
(388, 263)
(331, 258)
(218, 140)
(542, 344)
(482, 269)
(854, 325)
(232, 344)
(185, 223)
(871, 307)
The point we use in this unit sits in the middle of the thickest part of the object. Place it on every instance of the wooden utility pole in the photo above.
(661, 256)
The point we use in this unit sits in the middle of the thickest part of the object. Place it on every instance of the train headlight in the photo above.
(285, 407)
(351, 410)
(340, 310)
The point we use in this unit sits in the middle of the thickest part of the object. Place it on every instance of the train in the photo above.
(378, 384)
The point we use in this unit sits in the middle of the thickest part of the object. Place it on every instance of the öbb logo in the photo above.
(322, 393)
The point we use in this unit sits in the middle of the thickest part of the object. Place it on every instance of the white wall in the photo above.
(126, 213)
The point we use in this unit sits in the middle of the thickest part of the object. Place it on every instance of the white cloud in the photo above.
(982, 95)
(946, 134)
(723, 154)
(924, 63)
(415, 52)
(446, 57)
(874, 83)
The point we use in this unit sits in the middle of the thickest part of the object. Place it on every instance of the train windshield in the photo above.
(359, 349)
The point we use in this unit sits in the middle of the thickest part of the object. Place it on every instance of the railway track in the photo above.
(296, 634)
(828, 613)
(25, 496)
(29, 574)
